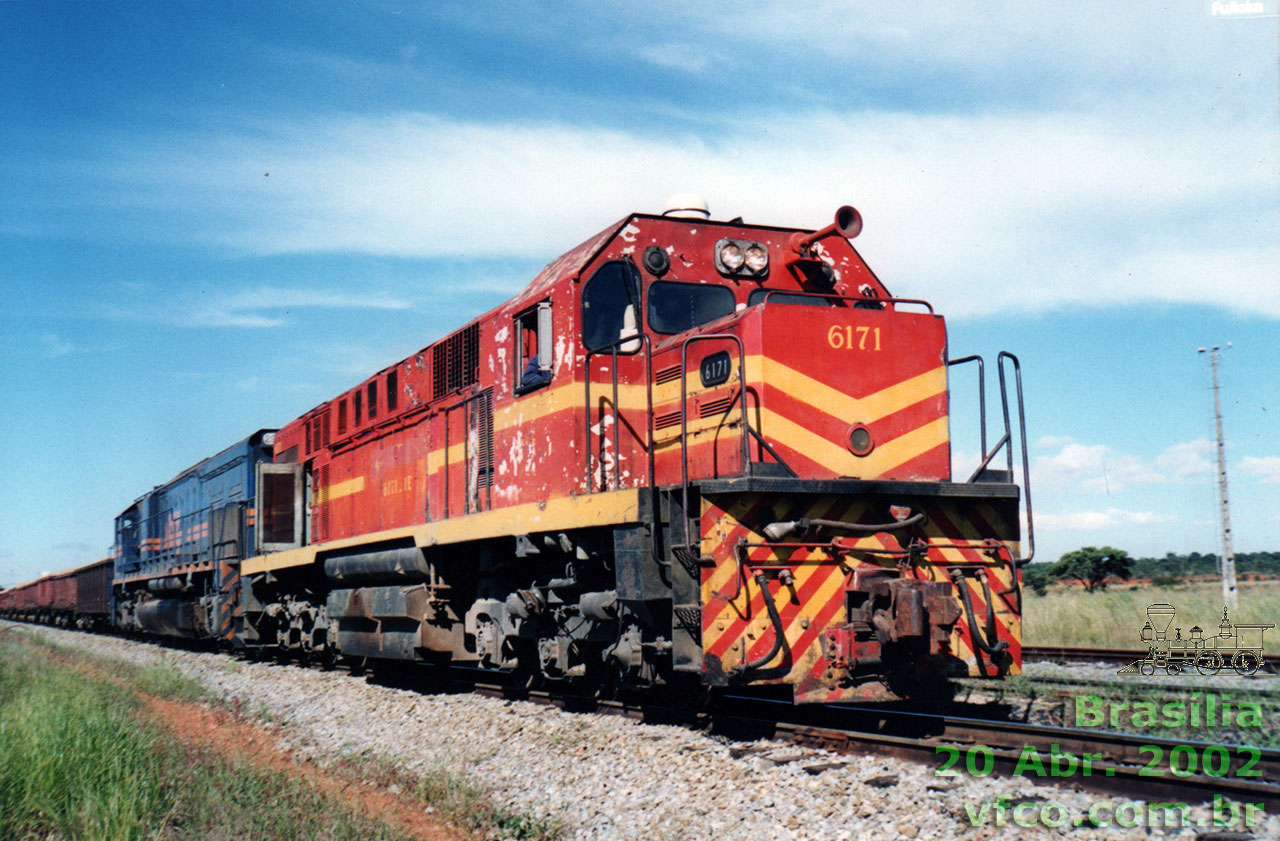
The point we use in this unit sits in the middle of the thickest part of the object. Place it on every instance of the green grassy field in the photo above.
(1113, 618)
(82, 758)
(79, 759)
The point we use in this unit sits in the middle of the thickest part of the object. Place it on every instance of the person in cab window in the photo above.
(533, 374)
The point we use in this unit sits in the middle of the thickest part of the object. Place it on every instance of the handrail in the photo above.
(1022, 433)
(613, 349)
(856, 299)
(982, 395)
(1006, 440)
(684, 416)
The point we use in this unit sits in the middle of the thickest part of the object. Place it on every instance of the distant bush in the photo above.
(1092, 566)
(1037, 577)
(1165, 580)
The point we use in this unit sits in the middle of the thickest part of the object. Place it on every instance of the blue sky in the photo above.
(215, 215)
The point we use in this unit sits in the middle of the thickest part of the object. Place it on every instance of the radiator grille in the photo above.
(455, 362)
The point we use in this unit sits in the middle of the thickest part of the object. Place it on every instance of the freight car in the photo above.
(691, 453)
(78, 598)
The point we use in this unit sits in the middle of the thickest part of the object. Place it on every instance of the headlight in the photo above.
(742, 258)
(731, 256)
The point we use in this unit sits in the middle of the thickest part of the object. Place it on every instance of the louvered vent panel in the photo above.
(667, 375)
(715, 407)
(484, 436)
(306, 438)
(320, 521)
(324, 428)
(664, 421)
(439, 371)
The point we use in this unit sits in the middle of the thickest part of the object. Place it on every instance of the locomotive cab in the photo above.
(795, 417)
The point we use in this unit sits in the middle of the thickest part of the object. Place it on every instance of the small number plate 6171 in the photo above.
(715, 368)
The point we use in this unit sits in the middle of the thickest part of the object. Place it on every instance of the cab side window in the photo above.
(609, 307)
(533, 348)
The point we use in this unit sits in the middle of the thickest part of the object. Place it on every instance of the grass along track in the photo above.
(101, 750)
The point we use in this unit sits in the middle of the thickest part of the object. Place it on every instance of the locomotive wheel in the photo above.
(1209, 663)
(1246, 662)
(1147, 668)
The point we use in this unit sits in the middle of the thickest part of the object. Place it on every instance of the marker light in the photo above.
(860, 442)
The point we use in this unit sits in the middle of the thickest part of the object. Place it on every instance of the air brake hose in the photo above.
(778, 532)
(779, 633)
(979, 639)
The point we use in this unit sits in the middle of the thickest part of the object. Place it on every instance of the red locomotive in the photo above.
(690, 449)
(692, 453)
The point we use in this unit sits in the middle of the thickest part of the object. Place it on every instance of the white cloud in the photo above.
(1099, 468)
(677, 56)
(1266, 470)
(1095, 520)
(259, 307)
(964, 210)
(1186, 461)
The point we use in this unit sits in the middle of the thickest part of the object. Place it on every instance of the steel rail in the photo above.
(1122, 656)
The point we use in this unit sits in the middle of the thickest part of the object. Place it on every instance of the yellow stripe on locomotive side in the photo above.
(612, 508)
(338, 490)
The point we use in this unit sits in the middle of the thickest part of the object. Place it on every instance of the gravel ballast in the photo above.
(608, 777)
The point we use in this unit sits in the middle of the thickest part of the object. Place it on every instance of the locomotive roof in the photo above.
(243, 442)
(571, 263)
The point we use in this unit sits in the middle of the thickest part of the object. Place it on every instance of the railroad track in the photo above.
(1119, 656)
(1120, 763)
(1139, 766)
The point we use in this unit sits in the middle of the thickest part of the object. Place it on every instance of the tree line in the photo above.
(1093, 566)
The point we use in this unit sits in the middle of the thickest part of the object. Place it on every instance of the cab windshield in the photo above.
(676, 307)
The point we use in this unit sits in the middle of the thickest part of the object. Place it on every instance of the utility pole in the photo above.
(1228, 565)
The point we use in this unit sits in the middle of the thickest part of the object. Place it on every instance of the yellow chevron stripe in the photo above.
(835, 457)
(838, 404)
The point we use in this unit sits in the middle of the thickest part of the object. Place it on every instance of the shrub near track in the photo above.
(79, 759)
